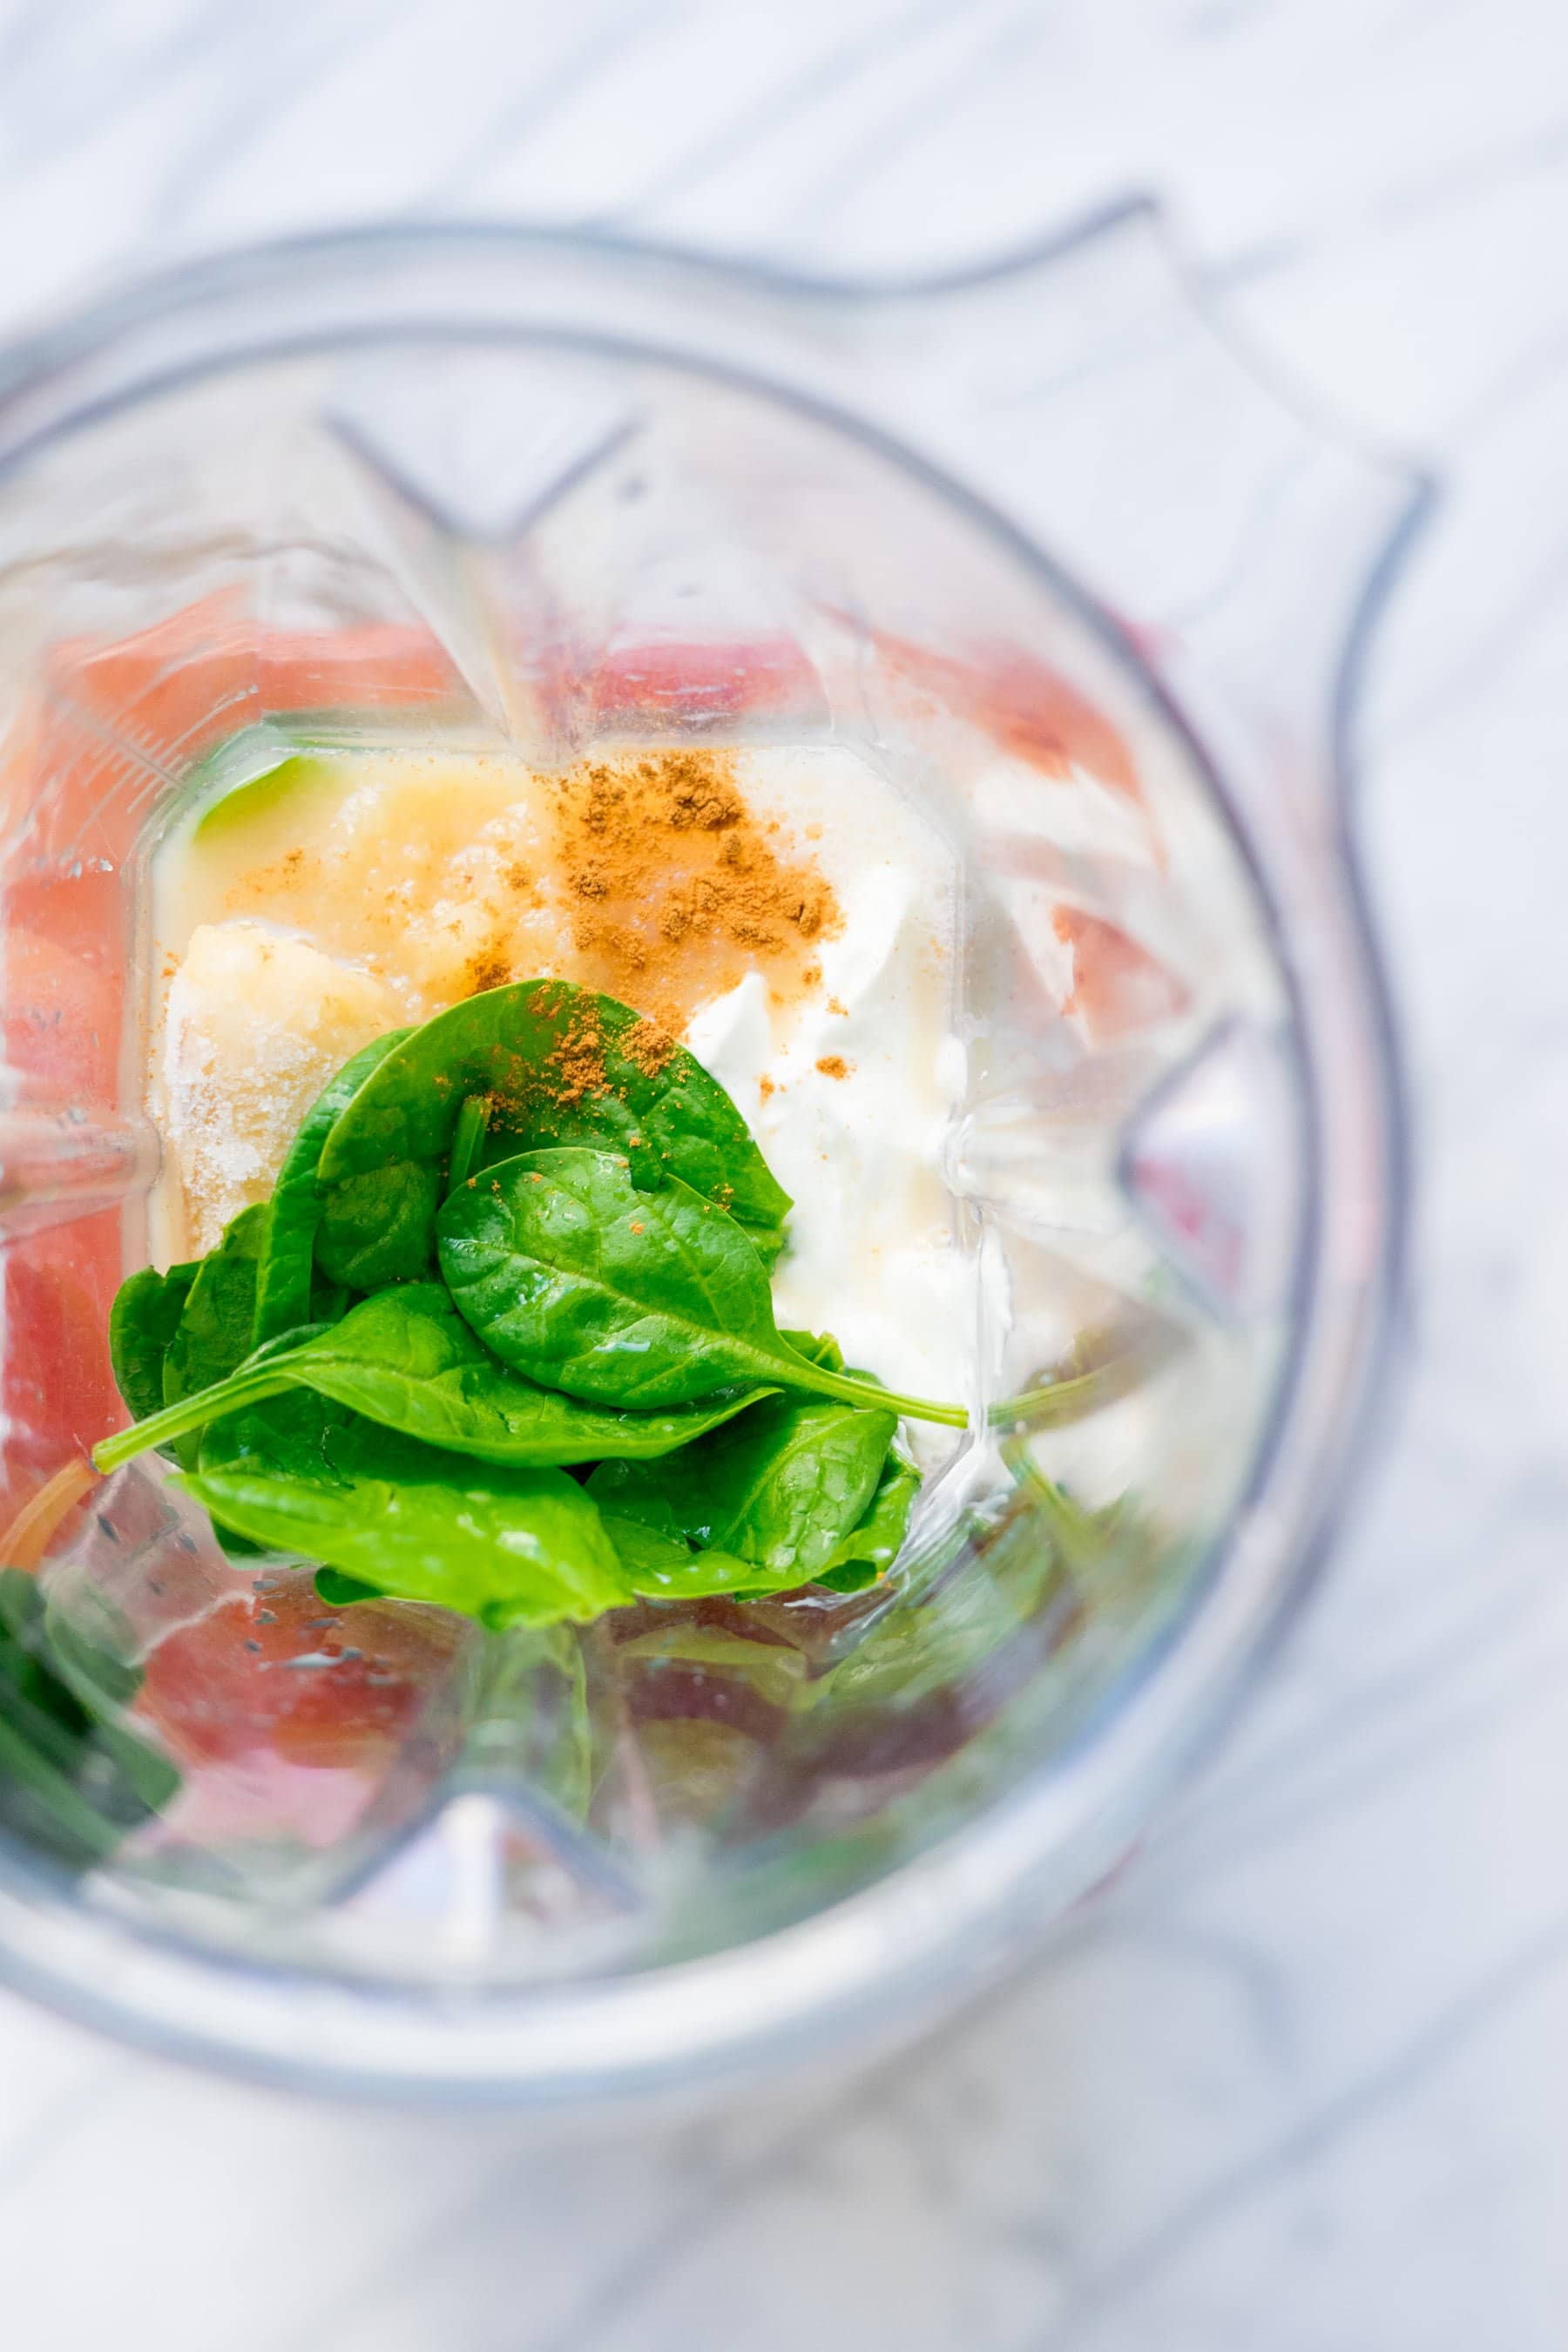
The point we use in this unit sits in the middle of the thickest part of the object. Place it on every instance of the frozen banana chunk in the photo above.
(256, 1022)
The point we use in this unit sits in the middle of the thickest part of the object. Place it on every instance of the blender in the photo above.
(1036, 544)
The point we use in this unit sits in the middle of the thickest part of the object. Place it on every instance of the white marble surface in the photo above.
(1298, 2085)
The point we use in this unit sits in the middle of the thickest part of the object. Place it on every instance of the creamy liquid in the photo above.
(305, 915)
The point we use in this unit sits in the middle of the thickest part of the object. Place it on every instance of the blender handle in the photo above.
(1241, 537)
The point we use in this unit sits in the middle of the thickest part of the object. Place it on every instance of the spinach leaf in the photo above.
(213, 1336)
(782, 1489)
(406, 1359)
(508, 1547)
(284, 1269)
(571, 1275)
(142, 1322)
(339, 1591)
(468, 1140)
(817, 1348)
(657, 1563)
(662, 1566)
(559, 1065)
(71, 1781)
(869, 1549)
(376, 1227)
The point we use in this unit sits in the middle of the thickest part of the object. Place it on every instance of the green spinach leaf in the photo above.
(657, 1567)
(661, 1566)
(142, 1323)
(571, 1275)
(213, 1336)
(468, 1140)
(869, 1549)
(285, 1264)
(508, 1547)
(406, 1359)
(339, 1591)
(817, 1348)
(783, 1488)
(558, 1065)
(377, 1227)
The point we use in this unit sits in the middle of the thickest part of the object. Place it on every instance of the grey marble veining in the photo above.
(1296, 2083)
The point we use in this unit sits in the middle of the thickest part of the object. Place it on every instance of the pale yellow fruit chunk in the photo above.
(436, 877)
(255, 1025)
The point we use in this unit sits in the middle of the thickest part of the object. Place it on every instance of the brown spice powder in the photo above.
(283, 877)
(490, 967)
(648, 1046)
(834, 1066)
(677, 890)
(588, 1058)
(575, 1067)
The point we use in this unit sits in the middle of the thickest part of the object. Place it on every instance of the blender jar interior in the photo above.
(540, 550)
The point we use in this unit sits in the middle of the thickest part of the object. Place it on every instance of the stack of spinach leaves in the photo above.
(503, 1339)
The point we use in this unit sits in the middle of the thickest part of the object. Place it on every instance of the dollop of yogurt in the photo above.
(850, 1091)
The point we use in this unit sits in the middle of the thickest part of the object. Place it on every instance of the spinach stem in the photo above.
(880, 1399)
(1057, 1401)
(191, 1413)
(468, 1139)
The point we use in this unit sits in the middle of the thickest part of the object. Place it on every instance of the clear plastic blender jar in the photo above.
(1041, 550)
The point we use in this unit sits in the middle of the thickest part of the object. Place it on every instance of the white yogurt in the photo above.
(875, 1253)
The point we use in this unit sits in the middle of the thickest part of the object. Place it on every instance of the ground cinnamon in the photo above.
(587, 1059)
(676, 888)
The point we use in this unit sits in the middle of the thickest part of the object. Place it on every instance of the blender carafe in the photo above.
(1039, 548)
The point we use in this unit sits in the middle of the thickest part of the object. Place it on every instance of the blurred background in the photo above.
(1295, 2084)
